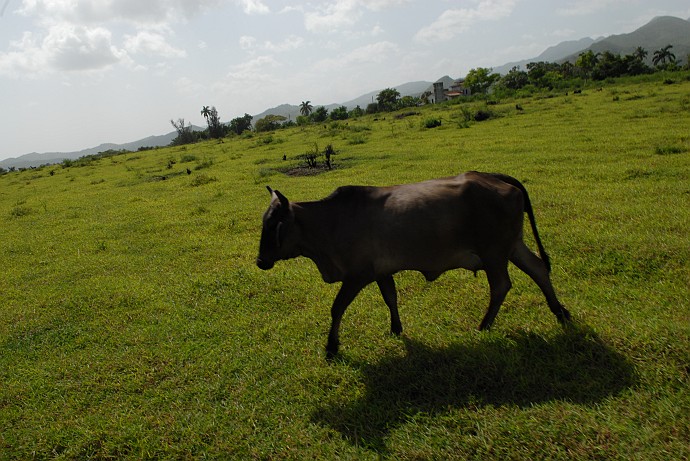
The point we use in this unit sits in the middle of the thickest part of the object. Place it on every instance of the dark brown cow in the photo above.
(361, 234)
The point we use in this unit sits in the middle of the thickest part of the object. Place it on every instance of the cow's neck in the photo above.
(315, 241)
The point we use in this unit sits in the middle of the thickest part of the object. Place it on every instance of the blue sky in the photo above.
(75, 73)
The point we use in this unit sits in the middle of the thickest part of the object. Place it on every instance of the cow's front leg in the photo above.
(348, 291)
(390, 296)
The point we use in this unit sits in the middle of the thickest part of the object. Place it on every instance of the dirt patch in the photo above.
(302, 170)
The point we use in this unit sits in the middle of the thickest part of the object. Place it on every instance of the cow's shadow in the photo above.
(575, 366)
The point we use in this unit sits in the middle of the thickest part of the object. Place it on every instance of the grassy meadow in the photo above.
(134, 323)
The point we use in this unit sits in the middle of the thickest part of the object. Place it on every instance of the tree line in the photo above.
(589, 66)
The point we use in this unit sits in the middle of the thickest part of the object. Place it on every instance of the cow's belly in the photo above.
(431, 263)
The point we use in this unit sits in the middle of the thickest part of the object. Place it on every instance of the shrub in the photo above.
(432, 122)
(19, 211)
(202, 179)
(188, 158)
(205, 164)
(668, 150)
(482, 115)
(357, 139)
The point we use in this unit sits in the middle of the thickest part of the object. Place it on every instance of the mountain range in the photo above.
(659, 32)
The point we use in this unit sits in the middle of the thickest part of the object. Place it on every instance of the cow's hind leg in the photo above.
(533, 266)
(390, 296)
(348, 291)
(499, 285)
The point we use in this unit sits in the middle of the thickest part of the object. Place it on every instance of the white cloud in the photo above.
(344, 13)
(129, 11)
(373, 53)
(253, 70)
(379, 5)
(292, 42)
(455, 21)
(563, 33)
(77, 35)
(585, 7)
(188, 87)
(70, 47)
(146, 42)
(254, 7)
(247, 42)
(65, 47)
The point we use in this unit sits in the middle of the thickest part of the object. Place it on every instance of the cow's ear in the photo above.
(270, 191)
(283, 200)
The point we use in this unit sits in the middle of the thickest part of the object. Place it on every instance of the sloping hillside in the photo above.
(658, 33)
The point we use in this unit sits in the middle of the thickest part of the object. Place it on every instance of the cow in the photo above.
(364, 234)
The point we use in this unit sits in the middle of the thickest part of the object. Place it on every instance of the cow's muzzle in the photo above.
(263, 264)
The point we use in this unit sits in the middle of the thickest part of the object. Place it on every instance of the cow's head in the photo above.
(278, 237)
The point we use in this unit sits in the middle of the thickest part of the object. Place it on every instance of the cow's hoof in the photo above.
(331, 352)
(563, 316)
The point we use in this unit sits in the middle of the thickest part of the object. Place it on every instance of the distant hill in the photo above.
(291, 111)
(35, 159)
(551, 54)
(656, 34)
(447, 83)
(406, 89)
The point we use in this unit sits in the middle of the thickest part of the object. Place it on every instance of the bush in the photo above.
(205, 164)
(202, 179)
(669, 150)
(432, 122)
(357, 139)
(482, 115)
(188, 158)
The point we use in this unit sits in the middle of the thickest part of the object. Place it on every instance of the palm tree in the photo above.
(206, 112)
(305, 108)
(663, 55)
(640, 53)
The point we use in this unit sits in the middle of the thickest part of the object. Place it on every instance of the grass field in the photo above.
(134, 323)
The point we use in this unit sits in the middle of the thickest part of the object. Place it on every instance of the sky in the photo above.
(77, 73)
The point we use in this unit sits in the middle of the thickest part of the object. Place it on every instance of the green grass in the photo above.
(136, 325)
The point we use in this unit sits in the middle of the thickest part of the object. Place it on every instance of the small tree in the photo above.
(305, 108)
(185, 134)
(328, 153)
(216, 129)
(319, 115)
(515, 79)
(241, 124)
(635, 62)
(408, 101)
(269, 123)
(480, 79)
(356, 112)
(586, 62)
(388, 99)
(339, 113)
(664, 58)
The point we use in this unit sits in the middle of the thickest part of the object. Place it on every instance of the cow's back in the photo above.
(429, 226)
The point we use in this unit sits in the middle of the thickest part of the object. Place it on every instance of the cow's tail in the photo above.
(530, 213)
